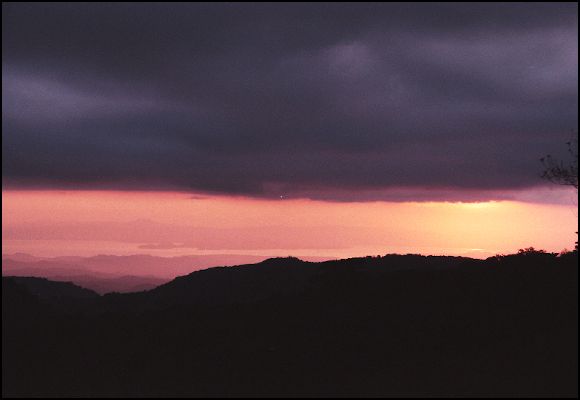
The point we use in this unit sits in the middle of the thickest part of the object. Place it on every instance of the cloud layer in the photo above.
(392, 101)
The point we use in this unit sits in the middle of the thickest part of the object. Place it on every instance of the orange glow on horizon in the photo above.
(49, 223)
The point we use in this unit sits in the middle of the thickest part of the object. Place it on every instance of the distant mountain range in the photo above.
(367, 327)
(123, 274)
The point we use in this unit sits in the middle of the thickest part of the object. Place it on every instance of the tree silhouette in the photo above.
(561, 172)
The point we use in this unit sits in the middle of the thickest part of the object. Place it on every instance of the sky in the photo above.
(313, 129)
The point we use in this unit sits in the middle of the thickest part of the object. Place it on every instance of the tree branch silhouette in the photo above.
(561, 172)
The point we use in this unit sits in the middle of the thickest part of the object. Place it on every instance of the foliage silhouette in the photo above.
(561, 172)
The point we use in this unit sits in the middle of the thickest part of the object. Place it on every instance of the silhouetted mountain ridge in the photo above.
(46, 289)
(373, 326)
(122, 274)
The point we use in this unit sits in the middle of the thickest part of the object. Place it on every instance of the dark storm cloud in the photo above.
(331, 101)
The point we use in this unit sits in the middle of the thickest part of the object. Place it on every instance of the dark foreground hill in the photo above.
(389, 326)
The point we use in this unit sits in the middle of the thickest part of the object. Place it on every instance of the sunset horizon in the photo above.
(289, 199)
(89, 223)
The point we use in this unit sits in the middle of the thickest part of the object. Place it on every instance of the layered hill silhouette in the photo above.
(122, 274)
(375, 326)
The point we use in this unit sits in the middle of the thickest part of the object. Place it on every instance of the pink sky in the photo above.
(57, 223)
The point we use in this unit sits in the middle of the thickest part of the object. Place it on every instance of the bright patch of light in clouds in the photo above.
(170, 223)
